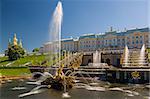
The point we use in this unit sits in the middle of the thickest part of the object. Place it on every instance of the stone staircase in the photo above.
(135, 59)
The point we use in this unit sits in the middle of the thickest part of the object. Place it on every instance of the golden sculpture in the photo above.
(60, 80)
(135, 74)
(15, 42)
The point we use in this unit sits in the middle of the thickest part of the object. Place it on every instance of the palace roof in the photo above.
(88, 36)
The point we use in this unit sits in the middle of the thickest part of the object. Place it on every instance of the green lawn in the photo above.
(14, 71)
(40, 60)
(34, 60)
(17, 65)
(17, 68)
(3, 61)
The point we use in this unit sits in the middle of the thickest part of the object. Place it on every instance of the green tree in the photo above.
(35, 50)
(15, 52)
(6, 52)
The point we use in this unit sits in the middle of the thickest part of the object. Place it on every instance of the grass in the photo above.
(40, 60)
(4, 61)
(17, 68)
(148, 50)
(34, 59)
(14, 71)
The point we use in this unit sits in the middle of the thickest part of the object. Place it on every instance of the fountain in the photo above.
(96, 57)
(126, 55)
(62, 81)
(97, 60)
(55, 30)
(65, 94)
(142, 54)
(58, 81)
(135, 57)
(135, 65)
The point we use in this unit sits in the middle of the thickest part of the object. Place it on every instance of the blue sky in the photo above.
(29, 19)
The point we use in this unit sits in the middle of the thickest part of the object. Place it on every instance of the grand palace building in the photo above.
(133, 38)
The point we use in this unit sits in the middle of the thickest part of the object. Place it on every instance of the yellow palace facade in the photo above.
(133, 38)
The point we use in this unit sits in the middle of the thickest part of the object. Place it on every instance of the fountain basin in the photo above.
(58, 83)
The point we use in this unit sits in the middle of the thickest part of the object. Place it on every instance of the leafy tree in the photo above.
(35, 50)
(15, 52)
(6, 52)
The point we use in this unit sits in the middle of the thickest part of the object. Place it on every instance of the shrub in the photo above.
(15, 52)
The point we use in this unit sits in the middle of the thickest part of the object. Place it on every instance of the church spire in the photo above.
(9, 42)
(20, 43)
(15, 40)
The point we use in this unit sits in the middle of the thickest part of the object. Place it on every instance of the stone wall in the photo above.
(87, 59)
(111, 59)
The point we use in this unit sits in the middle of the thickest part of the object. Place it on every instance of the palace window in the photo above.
(133, 42)
(109, 40)
(122, 39)
(133, 37)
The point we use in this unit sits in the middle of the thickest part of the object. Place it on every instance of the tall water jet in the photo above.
(142, 55)
(55, 31)
(126, 56)
(59, 81)
(99, 57)
(96, 57)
